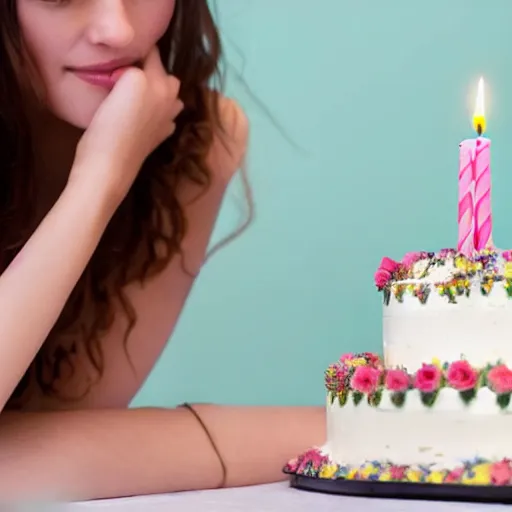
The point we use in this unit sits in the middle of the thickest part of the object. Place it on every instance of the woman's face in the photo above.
(77, 44)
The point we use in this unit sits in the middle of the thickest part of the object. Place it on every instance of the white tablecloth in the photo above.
(266, 498)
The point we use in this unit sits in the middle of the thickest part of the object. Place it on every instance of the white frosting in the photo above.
(445, 435)
(477, 327)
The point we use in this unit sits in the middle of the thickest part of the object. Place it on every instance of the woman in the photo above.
(112, 173)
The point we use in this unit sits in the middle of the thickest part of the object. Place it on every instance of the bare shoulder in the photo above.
(231, 139)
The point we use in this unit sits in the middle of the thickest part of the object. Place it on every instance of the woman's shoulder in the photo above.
(231, 139)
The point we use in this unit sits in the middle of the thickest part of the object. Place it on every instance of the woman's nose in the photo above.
(110, 24)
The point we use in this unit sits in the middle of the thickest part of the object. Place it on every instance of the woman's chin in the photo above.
(77, 110)
(78, 118)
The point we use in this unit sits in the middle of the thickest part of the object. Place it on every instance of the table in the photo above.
(266, 498)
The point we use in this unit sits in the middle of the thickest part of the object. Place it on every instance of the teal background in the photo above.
(357, 109)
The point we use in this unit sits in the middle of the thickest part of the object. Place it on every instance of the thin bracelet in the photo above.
(212, 442)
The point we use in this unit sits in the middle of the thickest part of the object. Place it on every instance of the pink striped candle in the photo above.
(466, 244)
(475, 216)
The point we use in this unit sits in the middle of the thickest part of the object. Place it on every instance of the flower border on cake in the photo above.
(314, 463)
(481, 268)
(363, 376)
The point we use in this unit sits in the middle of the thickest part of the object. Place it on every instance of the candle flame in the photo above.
(479, 114)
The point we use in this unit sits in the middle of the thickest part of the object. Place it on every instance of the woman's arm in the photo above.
(131, 122)
(81, 455)
(35, 287)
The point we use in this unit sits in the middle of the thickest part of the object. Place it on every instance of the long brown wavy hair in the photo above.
(127, 251)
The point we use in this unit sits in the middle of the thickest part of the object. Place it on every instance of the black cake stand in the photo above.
(403, 490)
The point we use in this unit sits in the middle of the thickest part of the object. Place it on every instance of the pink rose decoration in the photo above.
(346, 357)
(454, 476)
(411, 258)
(389, 265)
(398, 472)
(313, 457)
(292, 465)
(500, 379)
(365, 379)
(397, 380)
(382, 278)
(373, 359)
(462, 376)
(385, 272)
(428, 378)
(507, 255)
(501, 473)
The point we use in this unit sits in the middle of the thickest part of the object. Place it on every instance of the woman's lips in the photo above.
(100, 78)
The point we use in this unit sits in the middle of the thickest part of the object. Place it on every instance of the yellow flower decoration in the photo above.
(477, 475)
(508, 270)
(413, 475)
(360, 361)
(461, 263)
(385, 476)
(328, 471)
(366, 471)
(437, 363)
(436, 477)
(352, 474)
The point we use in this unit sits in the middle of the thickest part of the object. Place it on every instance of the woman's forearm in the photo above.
(35, 287)
(83, 455)
(256, 442)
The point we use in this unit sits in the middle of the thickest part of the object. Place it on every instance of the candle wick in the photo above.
(479, 130)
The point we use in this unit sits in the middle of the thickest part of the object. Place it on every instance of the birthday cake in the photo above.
(436, 408)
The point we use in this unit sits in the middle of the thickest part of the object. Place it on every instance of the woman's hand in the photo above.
(134, 119)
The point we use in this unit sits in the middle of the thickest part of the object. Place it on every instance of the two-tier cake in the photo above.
(437, 408)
